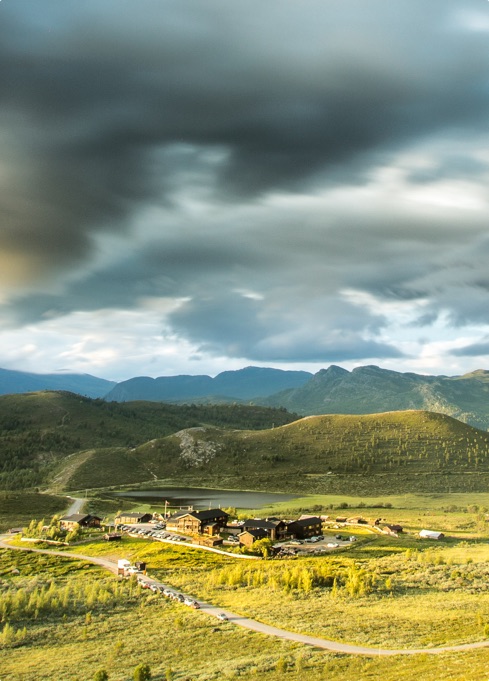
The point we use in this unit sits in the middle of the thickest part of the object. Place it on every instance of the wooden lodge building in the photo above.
(305, 527)
(68, 522)
(274, 528)
(198, 522)
(133, 518)
(249, 537)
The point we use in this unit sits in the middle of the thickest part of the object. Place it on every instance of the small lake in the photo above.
(202, 498)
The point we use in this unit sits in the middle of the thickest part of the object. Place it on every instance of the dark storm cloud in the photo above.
(90, 94)
(269, 287)
(212, 114)
(236, 326)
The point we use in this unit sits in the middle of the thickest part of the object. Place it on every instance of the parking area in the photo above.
(315, 545)
(153, 531)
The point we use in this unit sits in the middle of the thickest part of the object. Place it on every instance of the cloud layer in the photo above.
(273, 183)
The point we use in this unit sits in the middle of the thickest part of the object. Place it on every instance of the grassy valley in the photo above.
(60, 441)
(66, 619)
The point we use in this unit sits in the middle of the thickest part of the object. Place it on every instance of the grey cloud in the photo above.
(236, 326)
(109, 108)
(472, 350)
(91, 94)
(452, 166)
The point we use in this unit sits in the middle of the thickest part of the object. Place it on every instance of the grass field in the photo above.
(417, 593)
(381, 591)
(185, 645)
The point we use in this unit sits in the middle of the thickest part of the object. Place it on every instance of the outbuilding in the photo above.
(431, 534)
(68, 522)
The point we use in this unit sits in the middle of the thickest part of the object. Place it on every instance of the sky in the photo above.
(191, 187)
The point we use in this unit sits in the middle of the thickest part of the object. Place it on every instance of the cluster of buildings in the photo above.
(207, 526)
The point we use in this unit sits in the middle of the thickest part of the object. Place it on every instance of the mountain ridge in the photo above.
(13, 382)
(333, 390)
(248, 383)
(371, 389)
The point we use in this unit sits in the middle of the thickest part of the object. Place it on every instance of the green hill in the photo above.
(67, 442)
(392, 452)
(43, 434)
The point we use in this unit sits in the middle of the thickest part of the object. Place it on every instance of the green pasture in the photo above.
(73, 642)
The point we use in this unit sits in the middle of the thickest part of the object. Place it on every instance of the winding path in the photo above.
(247, 623)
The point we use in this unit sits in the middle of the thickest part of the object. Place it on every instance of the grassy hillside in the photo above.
(381, 453)
(38, 430)
(18, 508)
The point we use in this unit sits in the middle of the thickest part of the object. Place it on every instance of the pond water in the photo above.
(201, 498)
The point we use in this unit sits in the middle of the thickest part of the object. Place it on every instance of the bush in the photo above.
(101, 675)
(142, 673)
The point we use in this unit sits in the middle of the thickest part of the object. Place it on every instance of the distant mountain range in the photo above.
(250, 383)
(364, 390)
(13, 382)
(370, 390)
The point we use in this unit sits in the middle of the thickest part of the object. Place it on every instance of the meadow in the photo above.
(382, 591)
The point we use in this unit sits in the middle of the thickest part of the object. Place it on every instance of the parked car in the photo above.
(332, 545)
(222, 617)
(195, 605)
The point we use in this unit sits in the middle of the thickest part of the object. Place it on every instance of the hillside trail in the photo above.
(266, 629)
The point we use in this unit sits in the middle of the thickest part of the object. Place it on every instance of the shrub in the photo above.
(281, 665)
(142, 673)
(101, 675)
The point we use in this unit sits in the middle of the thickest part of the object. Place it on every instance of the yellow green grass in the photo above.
(187, 645)
(424, 594)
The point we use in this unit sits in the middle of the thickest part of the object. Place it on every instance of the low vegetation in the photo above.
(66, 619)
(380, 453)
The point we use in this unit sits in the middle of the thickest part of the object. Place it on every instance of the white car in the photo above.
(222, 617)
(332, 545)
